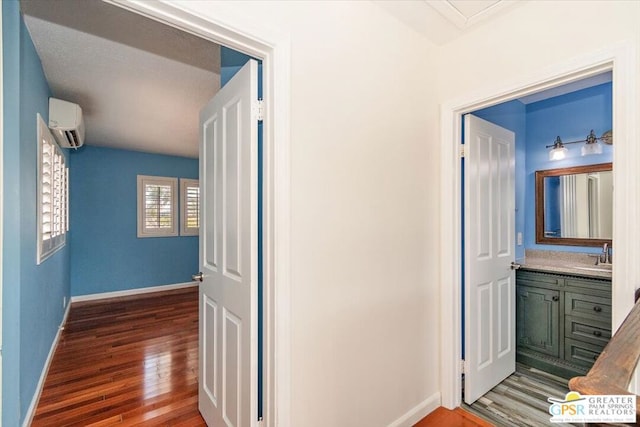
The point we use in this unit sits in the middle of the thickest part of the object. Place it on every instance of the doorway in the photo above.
(616, 59)
(565, 110)
(272, 49)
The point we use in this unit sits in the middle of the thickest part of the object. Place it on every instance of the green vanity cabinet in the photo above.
(562, 321)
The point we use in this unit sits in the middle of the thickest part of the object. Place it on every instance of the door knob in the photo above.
(197, 277)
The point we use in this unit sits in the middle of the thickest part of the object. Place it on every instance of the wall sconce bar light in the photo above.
(559, 151)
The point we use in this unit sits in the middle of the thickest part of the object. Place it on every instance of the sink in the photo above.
(600, 269)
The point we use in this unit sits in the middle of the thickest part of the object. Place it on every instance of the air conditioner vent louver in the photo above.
(72, 138)
(66, 123)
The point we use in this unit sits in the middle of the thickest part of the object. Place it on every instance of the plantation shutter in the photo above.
(53, 194)
(190, 207)
(157, 206)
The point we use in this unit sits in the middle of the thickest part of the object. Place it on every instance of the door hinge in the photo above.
(260, 422)
(462, 150)
(462, 366)
(258, 109)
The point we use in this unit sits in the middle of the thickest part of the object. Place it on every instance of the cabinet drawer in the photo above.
(582, 329)
(534, 278)
(590, 306)
(587, 285)
(581, 353)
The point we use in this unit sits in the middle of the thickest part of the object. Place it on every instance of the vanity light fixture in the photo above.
(591, 146)
(559, 151)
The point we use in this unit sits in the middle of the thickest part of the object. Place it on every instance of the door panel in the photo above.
(228, 254)
(538, 316)
(489, 251)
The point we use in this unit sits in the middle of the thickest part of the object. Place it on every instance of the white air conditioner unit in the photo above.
(66, 124)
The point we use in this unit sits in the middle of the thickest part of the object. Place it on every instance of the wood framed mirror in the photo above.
(574, 206)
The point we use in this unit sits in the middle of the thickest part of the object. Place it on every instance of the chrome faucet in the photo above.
(606, 256)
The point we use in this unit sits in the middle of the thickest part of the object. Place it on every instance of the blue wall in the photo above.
(231, 61)
(106, 252)
(33, 295)
(570, 116)
(536, 125)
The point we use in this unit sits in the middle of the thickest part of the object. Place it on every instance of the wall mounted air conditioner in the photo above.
(66, 124)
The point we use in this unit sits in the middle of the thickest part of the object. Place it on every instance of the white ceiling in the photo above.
(443, 20)
(141, 84)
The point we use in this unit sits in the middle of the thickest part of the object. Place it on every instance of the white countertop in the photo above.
(578, 264)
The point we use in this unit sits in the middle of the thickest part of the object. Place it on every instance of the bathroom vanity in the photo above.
(563, 315)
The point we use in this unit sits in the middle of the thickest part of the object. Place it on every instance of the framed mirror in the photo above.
(574, 206)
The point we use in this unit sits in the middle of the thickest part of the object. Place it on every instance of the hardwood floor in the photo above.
(126, 361)
(452, 418)
(134, 361)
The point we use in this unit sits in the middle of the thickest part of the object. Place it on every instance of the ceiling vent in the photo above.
(66, 124)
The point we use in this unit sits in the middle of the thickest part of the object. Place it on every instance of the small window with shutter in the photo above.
(53, 194)
(157, 206)
(190, 207)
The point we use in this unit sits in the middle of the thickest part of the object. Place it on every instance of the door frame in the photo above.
(619, 58)
(226, 27)
(1, 206)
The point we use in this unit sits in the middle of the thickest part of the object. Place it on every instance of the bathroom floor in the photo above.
(521, 399)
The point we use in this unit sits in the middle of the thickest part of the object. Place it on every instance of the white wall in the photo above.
(533, 36)
(537, 38)
(364, 222)
(365, 93)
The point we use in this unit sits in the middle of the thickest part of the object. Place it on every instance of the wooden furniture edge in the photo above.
(613, 370)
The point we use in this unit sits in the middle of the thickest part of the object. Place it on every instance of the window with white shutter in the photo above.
(190, 207)
(53, 194)
(157, 206)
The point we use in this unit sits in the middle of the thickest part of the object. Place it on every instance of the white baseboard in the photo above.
(418, 412)
(105, 295)
(45, 370)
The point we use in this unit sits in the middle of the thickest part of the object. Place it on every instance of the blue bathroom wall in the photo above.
(571, 117)
(536, 125)
(33, 294)
(512, 116)
(106, 252)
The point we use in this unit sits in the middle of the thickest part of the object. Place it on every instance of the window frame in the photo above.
(59, 182)
(185, 230)
(143, 231)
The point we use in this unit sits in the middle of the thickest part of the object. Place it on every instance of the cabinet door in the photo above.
(538, 315)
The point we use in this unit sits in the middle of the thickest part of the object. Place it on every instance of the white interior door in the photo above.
(227, 394)
(489, 217)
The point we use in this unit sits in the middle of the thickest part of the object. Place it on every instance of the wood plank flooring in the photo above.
(521, 399)
(518, 401)
(126, 361)
(134, 360)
